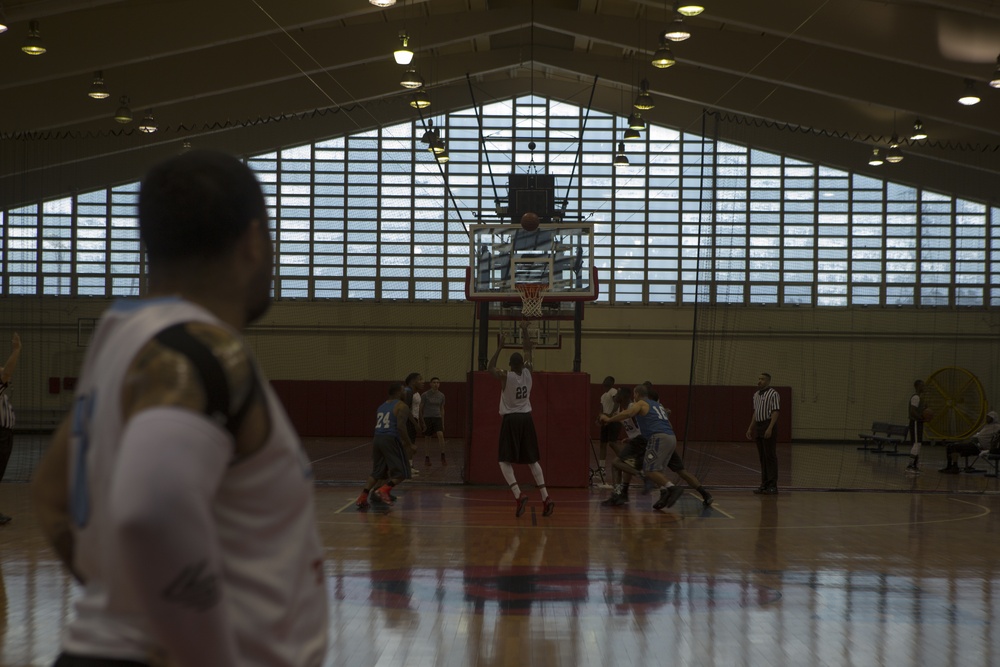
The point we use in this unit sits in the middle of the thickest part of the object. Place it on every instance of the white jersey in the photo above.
(609, 402)
(631, 428)
(415, 408)
(263, 512)
(516, 394)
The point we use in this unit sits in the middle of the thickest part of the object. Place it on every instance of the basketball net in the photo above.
(531, 298)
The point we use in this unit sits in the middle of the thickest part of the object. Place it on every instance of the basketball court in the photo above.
(450, 577)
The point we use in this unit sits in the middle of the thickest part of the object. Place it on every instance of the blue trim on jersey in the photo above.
(655, 421)
(385, 419)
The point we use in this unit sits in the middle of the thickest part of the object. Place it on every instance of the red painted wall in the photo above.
(721, 413)
(559, 409)
(329, 408)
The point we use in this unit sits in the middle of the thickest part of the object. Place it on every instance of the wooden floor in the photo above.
(450, 577)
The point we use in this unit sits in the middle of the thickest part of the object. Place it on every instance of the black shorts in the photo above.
(610, 431)
(969, 448)
(433, 425)
(388, 459)
(518, 440)
(411, 430)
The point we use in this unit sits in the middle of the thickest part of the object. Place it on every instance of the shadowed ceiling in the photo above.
(820, 79)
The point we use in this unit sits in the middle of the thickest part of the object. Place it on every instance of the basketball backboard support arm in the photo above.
(484, 334)
(506, 260)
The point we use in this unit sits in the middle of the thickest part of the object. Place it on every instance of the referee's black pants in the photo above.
(6, 447)
(767, 450)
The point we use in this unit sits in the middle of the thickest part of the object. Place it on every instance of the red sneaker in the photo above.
(362, 502)
(522, 503)
(384, 494)
(549, 507)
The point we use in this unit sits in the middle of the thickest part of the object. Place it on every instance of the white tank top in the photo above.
(264, 512)
(516, 395)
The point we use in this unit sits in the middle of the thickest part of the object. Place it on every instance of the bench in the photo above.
(893, 436)
(868, 443)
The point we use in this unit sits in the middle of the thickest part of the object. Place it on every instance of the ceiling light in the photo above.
(631, 133)
(33, 44)
(644, 101)
(420, 100)
(124, 114)
(438, 146)
(98, 90)
(664, 57)
(893, 155)
(875, 160)
(383, 3)
(148, 124)
(403, 53)
(635, 121)
(689, 8)
(442, 157)
(918, 131)
(3, 20)
(620, 159)
(969, 95)
(995, 81)
(430, 135)
(411, 79)
(676, 32)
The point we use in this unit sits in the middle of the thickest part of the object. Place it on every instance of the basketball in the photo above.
(927, 415)
(529, 221)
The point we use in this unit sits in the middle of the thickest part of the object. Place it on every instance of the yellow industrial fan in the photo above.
(956, 402)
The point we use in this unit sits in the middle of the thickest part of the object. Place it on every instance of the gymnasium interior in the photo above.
(806, 188)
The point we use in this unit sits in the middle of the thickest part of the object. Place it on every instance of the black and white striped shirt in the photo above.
(6, 409)
(765, 402)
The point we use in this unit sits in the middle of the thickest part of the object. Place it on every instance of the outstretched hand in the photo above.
(15, 342)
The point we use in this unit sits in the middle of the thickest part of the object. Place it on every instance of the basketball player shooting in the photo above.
(518, 440)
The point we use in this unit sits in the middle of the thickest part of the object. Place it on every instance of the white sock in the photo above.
(536, 472)
(915, 450)
(508, 474)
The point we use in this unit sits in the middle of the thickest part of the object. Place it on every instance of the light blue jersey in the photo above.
(385, 419)
(655, 421)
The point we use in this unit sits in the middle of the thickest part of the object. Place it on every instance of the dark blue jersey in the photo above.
(655, 421)
(385, 419)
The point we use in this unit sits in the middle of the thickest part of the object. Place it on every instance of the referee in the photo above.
(764, 427)
(6, 411)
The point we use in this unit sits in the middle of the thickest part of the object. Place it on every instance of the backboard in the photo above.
(557, 255)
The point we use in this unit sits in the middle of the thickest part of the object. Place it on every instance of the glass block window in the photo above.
(690, 220)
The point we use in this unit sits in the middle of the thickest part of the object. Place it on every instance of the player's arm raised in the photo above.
(498, 373)
(527, 345)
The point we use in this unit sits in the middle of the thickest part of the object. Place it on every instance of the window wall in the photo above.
(373, 216)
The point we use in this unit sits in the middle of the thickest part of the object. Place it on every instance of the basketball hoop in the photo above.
(531, 298)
